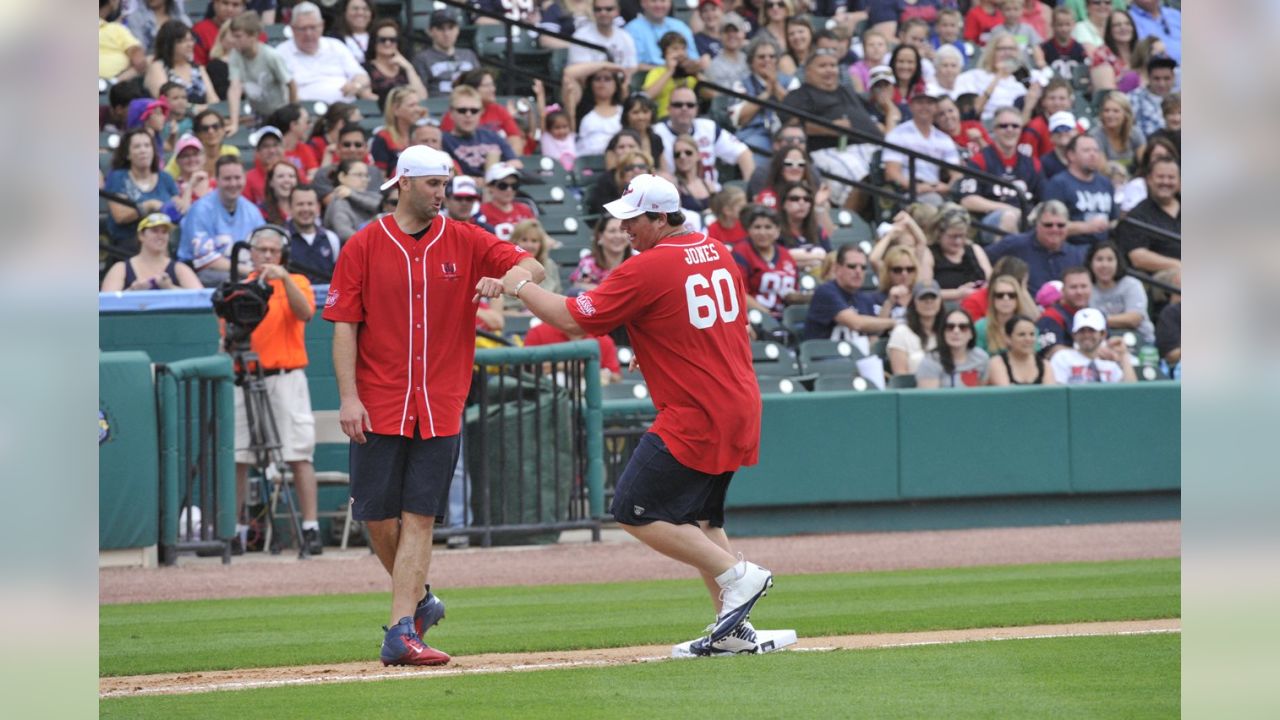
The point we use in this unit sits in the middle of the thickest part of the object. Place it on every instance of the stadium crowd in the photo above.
(222, 116)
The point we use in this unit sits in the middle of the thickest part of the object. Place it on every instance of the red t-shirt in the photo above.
(684, 308)
(1036, 140)
(975, 303)
(495, 118)
(728, 236)
(545, 334)
(768, 282)
(504, 222)
(255, 183)
(978, 23)
(413, 299)
(303, 158)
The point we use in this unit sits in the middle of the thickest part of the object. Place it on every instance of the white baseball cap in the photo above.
(1062, 121)
(646, 193)
(420, 161)
(499, 171)
(1088, 318)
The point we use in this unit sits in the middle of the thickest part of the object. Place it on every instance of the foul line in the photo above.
(173, 684)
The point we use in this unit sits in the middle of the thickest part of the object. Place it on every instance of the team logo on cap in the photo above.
(585, 306)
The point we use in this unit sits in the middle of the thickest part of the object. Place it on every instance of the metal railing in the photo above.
(532, 451)
(196, 409)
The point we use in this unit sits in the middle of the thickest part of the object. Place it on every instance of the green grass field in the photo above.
(265, 632)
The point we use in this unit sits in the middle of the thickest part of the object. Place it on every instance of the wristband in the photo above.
(515, 292)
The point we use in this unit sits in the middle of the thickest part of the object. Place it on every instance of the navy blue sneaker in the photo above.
(742, 639)
(738, 597)
(428, 614)
(402, 646)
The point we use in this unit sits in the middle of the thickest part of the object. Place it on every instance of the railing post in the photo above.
(595, 437)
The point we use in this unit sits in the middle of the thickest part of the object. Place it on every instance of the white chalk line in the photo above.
(233, 685)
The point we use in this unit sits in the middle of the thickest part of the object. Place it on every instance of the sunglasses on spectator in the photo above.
(1004, 295)
(959, 326)
(685, 153)
(684, 105)
(506, 186)
(798, 198)
(605, 9)
(903, 269)
(387, 39)
(209, 128)
(1008, 126)
(642, 168)
(856, 266)
(794, 163)
(775, 4)
(467, 110)
(350, 144)
(1052, 225)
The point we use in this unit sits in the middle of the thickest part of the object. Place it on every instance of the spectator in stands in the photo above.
(584, 62)
(193, 181)
(268, 142)
(494, 116)
(624, 143)
(146, 17)
(822, 95)
(610, 185)
(977, 302)
(282, 178)
(994, 80)
(959, 266)
(1090, 31)
(1117, 134)
(352, 25)
(473, 147)
(503, 211)
(969, 136)
(558, 140)
(756, 123)
(957, 362)
(695, 189)
(174, 49)
(948, 32)
(216, 222)
(1057, 97)
(1000, 205)
(1019, 364)
(206, 31)
(610, 247)
(1158, 147)
(800, 43)
(900, 276)
(771, 22)
(677, 70)
(1120, 297)
(908, 78)
(313, 247)
(948, 64)
(714, 142)
(353, 204)
(1008, 299)
(294, 123)
(114, 118)
(402, 110)
(1092, 358)
(638, 113)
(351, 145)
(1044, 248)
(983, 17)
(1172, 110)
(388, 68)
(325, 131)
(1148, 100)
(210, 129)
(257, 72)
(323, 67)
(1145, 250)
(1062, 129)
(1063, 52)
(598, 116)
(1029, 39)
(920, 135)
(1150, 17)
(730, 64)
(462, 201)
(875, 51)
(768, 271)
(440, 65)
(915, 33)
(529, 235)
(841, 310)
(548, 334)
(905, 231)
(1055, 323)
(135, 174)
(655, 21)
(151, 268)
(121, 55)
(1169, 334)
(790, 164)
(727, 206)
(909, 342)
(806, 223)
(1088, 194)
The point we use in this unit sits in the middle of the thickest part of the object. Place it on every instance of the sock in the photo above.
(310, 525)
(732, 573)
(241, 529)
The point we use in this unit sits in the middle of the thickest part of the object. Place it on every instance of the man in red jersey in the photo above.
(684, 307)
(402, 301)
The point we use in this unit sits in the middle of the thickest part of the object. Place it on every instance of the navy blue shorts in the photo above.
(656, 487)
(393, 473)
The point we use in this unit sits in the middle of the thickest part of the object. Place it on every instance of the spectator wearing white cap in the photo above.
(1092, 358)
(462, 200)
(1062, 127)
(193, 181)
(886, 113)
(502, 211)
(151, 268)
(323, 67)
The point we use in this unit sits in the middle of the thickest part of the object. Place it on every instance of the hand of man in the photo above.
(1097, 224)
(271, 271)
(354, 420)
(487, 287)
(513, 278)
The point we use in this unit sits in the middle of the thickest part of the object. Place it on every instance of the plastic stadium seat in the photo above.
(902, 382)
(829, 357)
(587, 169)
(772, 359)
(793, 318)
(779, 385)
(624, 391)
(491, 41)
(368, 106)
(567, 256)
(833, 383)
(539, 169)
(516, 325)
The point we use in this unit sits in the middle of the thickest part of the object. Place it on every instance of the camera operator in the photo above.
(281, 350)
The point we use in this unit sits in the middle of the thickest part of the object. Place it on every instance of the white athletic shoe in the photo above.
(738, 597)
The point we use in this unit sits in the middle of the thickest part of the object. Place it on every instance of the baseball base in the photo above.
(768, 641)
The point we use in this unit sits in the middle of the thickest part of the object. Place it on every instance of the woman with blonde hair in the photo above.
(610, 247)
(400, 112)
(906, 231)
(993, 81)
(530, 235)
(900, 274)
(695, 189)
(1117, 134)
(1005, 299)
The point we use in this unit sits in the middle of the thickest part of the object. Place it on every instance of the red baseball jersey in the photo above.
(768, 282)
(545, 334)
(504, 222)
(413, 299)
(685, 310)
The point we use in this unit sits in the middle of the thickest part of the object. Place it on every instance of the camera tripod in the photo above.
(264, 443)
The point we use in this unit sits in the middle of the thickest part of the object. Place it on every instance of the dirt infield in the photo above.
(621, 559)
(186, 683)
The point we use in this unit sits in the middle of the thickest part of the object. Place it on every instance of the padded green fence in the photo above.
(128, 471)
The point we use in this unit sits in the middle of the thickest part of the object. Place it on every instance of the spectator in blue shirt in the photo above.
(649, 26)
(840, 311)
(1044, 248)
(474, 147)
(1087, 193)
(135, 174)
(1151, 18)
(218, 221)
